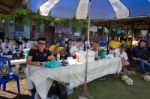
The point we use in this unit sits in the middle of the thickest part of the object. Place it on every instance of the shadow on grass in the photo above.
(12, 95)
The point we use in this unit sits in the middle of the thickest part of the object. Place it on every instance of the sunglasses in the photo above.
(42, 43)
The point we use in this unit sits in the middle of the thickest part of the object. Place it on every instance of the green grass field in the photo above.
(111, 88)
(114, 88)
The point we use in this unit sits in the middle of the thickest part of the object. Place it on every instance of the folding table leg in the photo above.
(17, 66)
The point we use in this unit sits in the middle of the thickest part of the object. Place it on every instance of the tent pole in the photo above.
(31, 25)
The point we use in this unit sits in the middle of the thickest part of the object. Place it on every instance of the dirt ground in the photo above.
(12, 91)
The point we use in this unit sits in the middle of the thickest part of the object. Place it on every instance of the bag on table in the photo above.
(52, 64)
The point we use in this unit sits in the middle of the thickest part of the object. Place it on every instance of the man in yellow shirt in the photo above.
(54, 48)
(114, 43)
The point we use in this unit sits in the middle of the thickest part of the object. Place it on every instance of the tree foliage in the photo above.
(38, 19)
(79, 24)
(22, 16)
(75, 24)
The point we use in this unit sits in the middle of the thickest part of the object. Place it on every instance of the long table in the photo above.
(73, 74)
(17, 63)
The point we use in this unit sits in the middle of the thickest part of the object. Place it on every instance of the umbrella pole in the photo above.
(85, 90)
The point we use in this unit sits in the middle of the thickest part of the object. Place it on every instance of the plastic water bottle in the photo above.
(58, 56)
(96, 56)
(69, 90)
(53, 97)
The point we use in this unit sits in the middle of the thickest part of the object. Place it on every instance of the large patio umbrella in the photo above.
(90, 9)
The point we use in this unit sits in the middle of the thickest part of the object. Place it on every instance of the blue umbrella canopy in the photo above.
(94, 9)
(91, 9)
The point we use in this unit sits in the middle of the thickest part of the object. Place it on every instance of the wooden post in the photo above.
(148, 33)
(132, 33)
(51, 34)
(109, 28)
(31, 26)
(127, 31)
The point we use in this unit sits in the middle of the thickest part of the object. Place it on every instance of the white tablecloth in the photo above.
(17, 63)
(73, 74)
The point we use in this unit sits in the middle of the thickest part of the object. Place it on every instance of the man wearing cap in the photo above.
(120, 52)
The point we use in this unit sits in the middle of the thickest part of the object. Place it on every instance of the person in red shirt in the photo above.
(95, 46)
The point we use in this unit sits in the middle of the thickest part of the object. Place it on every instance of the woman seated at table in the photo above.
(62, 52)
(54, 48)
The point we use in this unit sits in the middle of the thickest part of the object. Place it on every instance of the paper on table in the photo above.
(71, 61)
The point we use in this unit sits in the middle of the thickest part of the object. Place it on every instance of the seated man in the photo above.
(38, 55)
(122, 54)
(95, 46)
(76, 48)
(7, 47)
(141, 55)
(24, 46)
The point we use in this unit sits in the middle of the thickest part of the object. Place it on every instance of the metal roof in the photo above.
(141, 22)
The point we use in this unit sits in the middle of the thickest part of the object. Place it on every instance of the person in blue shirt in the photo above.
(141, 55)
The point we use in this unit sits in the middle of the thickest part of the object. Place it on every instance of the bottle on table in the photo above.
(58, 56)
(96, 56)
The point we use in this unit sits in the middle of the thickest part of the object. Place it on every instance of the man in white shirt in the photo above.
(120, 52)
(25, 45)
(76, 48)
(7, 47)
